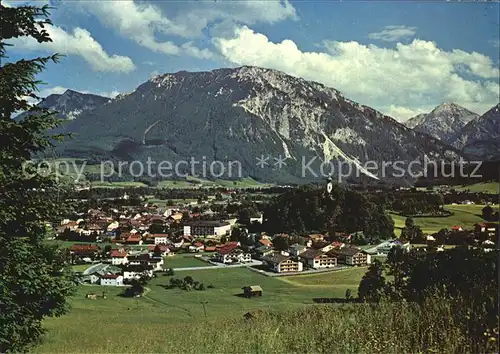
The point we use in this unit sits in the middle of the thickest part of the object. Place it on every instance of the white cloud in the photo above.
(144, 23)
(80, 43)
(190, 49)
(110, 94)
(495, 43)
(139, 22)
(404, 113)
(52, 90)
(206, 14)
(412, 76)
(394, 33)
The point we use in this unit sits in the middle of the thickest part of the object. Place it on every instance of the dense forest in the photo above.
(311, 209)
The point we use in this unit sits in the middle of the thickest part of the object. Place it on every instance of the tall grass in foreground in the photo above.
(361, 328)
(350, 328)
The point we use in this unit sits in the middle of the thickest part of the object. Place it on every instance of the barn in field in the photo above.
(253, 290)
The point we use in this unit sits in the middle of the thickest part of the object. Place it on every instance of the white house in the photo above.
(386, 247)
(112, 280)
(164, 250)
(114, 225)
(130, 274)
(168, 212)
(232, 253)
(258, 219)
(317, 259)
(161, 239)
(207, 228)
(196, 247)
(488, 245)
(146, 260)
(178, 244)
(297, 249)
(281, 263)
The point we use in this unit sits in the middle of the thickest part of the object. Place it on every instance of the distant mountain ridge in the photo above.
(444, 122)
(481, 137)
(242, 114)
(70, 104)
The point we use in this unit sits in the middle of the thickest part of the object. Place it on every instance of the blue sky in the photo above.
(402, 58)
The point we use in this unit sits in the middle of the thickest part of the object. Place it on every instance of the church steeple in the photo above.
(329, 185)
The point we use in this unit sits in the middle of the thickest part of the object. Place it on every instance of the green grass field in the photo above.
(184, 261)
(489, 187)
(120, 324)
(80, 267)
(348, 278)
(99, 184)
(464, 215)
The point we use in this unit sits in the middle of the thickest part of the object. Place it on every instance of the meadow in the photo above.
(483, 187)
(184, 261)
(464, 215)
(147, 324)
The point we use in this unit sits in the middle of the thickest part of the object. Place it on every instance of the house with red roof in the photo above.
(84, 250)
(490, 227)
(135, 239)
(118, 257)
(457, 228)
(265, 242)
(232, 253)
(162, 250)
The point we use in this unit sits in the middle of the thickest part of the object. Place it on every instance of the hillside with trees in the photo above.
(309, 209)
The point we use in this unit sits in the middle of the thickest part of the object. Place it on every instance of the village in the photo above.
(131, 242)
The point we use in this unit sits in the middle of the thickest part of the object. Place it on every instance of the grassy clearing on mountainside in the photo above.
(483, 187)
(464, 215)
(131, 184)
(80, 267)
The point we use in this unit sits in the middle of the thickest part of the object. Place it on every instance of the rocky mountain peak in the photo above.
(452, 109)
(444, 122)
(480, 136)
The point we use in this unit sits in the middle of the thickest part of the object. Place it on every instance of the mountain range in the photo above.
(443, 122)
(481, 136)
(456, 126)
(243, 114)
(70, 104)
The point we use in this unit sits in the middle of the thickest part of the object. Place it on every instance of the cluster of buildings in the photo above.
(140, 225)
(483, 235)
(320, 255)
(119, 266)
